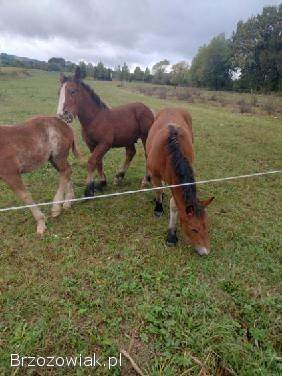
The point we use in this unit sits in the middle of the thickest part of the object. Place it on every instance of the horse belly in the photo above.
(31, 160)
(123, 138)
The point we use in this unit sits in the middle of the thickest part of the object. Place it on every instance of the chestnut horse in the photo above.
(170, 156)
(103, 127)
(25, 147)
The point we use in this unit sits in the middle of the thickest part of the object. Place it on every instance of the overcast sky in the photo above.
(139, 32)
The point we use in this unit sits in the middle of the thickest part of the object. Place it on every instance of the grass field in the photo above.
(102, 278)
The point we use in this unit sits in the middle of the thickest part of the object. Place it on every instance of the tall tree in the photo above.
(147, 75)
(117, 73)
(160, 76)
(257, 50)
(100, 72)
(179, 74)
(90, 70)
(125, 73)
(211, 66)
(138, 74)
(83, 70)
(57, 60)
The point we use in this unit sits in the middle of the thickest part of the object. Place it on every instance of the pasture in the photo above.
(102, 279)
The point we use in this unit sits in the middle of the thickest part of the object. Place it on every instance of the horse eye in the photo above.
(195, 230)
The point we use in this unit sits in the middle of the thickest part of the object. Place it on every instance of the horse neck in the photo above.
(179, 195)
(179, 199)
(87, 110)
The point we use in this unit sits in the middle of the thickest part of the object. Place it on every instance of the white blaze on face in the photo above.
(62, 98)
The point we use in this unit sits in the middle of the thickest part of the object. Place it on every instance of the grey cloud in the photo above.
(121, 30)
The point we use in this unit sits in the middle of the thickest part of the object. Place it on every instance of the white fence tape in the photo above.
(115, 194)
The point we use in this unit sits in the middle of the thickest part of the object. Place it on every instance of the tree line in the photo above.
(251, 59)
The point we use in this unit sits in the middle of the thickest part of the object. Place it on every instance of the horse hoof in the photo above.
(119, 178)
(158, 211)
(89, 190)
(158, 214)
(103, 183)
(56, 213)
(56, 210)
(41, 229)
(66, 205)
(98, 187)
(117, 181)
(145, 184)
(171, 239)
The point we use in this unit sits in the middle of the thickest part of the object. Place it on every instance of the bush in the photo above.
(222, 101)
(213, 97)
(148, 91)
(254, 100)
(162, 93)
(244, 107)
(184, 95)
(269, 108)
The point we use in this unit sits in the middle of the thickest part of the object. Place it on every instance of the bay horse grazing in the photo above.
(25, 147)
(170, 157)
(103, 127)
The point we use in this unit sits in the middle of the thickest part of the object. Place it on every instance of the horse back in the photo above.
(120, 126)
(137, 115)
(157, 142)
(26, 146)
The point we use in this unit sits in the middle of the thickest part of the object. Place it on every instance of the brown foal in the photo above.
(103, 127)
(170, 156)
(25, 147)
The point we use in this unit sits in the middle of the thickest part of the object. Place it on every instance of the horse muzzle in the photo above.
(202, 251)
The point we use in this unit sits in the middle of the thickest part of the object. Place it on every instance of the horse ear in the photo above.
(190, 210)
(77, 73)
(206, 202)
(62, 78)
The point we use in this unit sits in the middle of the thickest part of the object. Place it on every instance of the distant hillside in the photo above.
(53, 64)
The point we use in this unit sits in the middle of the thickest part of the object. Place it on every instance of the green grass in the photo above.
(102, 278)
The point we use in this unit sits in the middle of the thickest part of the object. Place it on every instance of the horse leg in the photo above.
(157, 182)
(130, 151)
(69, 195)
(16, 184)
(65, 189)
(69, 191)
(146, 180)
(103, 180)
(93, 163)
(171, 235)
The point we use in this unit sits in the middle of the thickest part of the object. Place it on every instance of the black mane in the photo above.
(95, 97)
(183, 170)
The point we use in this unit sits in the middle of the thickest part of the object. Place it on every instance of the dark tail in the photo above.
(181, 166)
